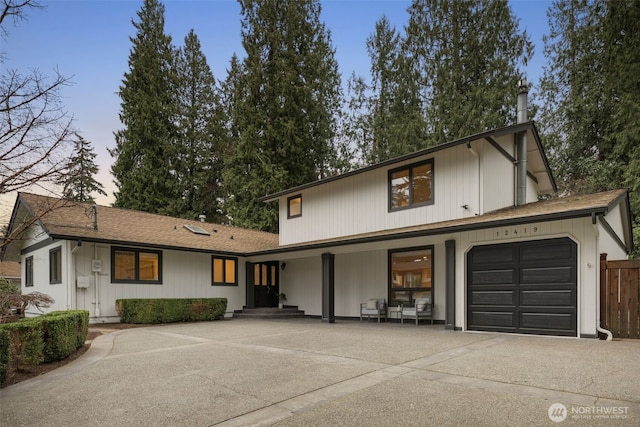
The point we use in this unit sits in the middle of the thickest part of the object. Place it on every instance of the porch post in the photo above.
(450, 285)
(328, 282)
(249, 281)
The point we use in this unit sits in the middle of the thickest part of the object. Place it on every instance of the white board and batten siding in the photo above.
(360, 203)
(185, 275)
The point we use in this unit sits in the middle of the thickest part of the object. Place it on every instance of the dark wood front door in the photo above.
(265, 284)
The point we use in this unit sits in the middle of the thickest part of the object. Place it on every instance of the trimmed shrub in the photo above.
(46, 338)
(64, 332)
(169, 310)
(4, 354)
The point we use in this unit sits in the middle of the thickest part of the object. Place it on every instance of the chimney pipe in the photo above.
(521, 144)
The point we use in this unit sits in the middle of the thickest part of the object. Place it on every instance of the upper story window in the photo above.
(28, 271)
(411, 185)
(136, 266)
(224, 271)
(55, 265)
(294, 206)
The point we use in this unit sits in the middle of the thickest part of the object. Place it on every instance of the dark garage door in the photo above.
(525, 287)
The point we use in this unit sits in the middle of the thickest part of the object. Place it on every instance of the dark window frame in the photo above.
(410, 169)
(55, 265)
(137, 279)
(289, 199)
(28, 271)
(224, 260)
(410, 291)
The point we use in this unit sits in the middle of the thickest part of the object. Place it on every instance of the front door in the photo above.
(265, 284)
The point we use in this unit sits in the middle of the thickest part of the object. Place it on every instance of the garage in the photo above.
(524, 287)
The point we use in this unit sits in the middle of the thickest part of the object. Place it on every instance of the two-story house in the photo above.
(460, 222)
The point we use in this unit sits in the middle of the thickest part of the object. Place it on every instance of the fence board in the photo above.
(620, 297)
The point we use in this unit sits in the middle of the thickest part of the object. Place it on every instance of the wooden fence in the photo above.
(620, 297)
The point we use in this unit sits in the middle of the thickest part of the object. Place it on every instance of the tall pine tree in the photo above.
(145, 152)
(290, 92)
(202, 138)
(590, 95)
(468, 55)
(79, 183)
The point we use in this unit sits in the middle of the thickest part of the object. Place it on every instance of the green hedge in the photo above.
(4, 354)
(168, 310)
(46, 338)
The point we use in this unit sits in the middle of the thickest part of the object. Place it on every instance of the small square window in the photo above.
(224, 271)
(294, 206)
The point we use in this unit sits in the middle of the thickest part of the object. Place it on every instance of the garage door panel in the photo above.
(547, 298)
(493, 319)
(500, 298)
(492, 256)
(487, 277)
(563, 274)
(547, 321)
(523, 287)
(545, 251)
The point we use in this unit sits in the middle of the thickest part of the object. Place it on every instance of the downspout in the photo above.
(95, 281)
(521, 145)
(71, 290)
(599, 280)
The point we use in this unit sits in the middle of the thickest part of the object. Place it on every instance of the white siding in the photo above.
(359, 204)
(58, 291)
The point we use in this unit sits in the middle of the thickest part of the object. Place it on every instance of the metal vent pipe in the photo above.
(521, 144)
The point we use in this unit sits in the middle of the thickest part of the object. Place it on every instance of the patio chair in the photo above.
(376, 307)
(422, 309)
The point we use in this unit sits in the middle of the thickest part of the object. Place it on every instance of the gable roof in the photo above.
(589, 205)
(537, 162)
(69, 220)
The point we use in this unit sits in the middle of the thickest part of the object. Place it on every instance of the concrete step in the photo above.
(268, 313)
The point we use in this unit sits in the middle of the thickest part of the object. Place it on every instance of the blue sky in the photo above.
(88, 40)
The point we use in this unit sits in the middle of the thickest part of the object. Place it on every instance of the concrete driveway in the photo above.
(246, 372)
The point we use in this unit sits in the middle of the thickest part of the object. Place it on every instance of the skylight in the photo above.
(196, 230)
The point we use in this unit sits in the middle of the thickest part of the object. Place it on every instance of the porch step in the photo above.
(287, 312)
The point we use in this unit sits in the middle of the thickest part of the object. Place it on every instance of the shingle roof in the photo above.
(69, 220)
(547, 210)
(9, 269)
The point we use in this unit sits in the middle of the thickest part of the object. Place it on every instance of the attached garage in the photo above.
(524, 287)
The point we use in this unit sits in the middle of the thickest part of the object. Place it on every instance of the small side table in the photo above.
(394, 312)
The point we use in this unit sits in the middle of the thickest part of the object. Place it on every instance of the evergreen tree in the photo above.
(199, 156)
(78, 183)
(590, 95)
(468, 55)
(398, 121)
(290, 90)
(145, 152)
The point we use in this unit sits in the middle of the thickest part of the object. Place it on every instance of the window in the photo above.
(136, 266)
(55, 265)
(294, 206)
(28, 271)
(411, 275)
(411, 185)
(224, 271)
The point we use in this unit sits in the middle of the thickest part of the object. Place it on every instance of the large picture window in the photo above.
(411, 275)
(224, 271)
(136, 266)
(411, 185)
(55, 265)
